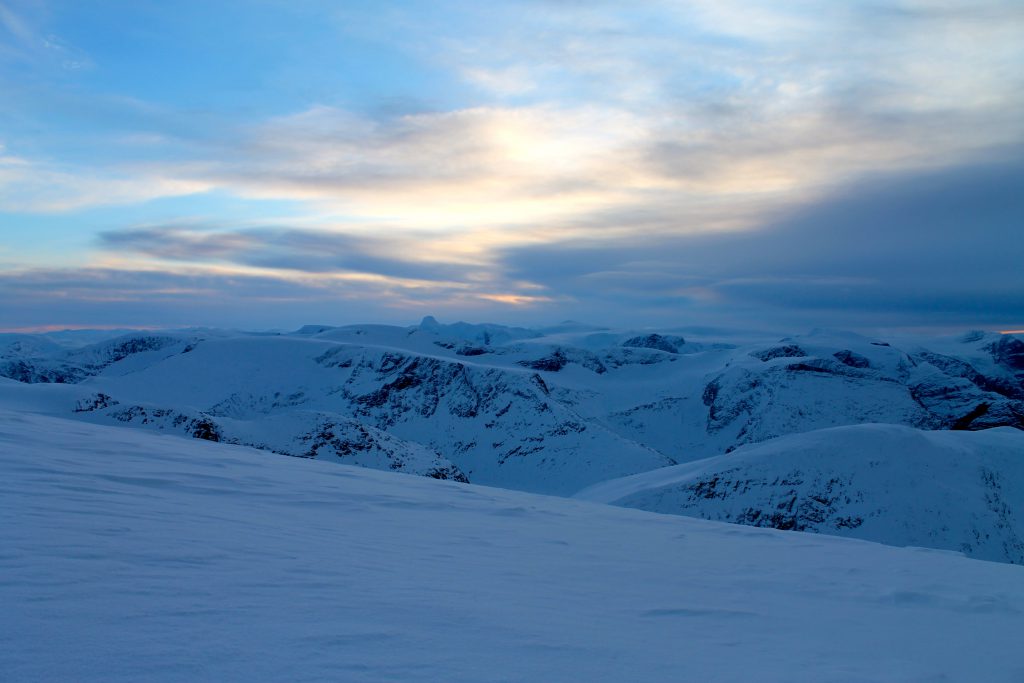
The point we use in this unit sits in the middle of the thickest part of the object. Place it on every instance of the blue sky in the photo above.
(271, 163)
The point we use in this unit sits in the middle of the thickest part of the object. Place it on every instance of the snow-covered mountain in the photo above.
(550, 410)
(956, 490)
(127, 555)
(543, 410)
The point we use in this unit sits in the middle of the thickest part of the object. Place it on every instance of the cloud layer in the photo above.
(940, 249)
(749, 159)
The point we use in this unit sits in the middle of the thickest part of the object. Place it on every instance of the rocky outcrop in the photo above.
(1009, 352)
(74, 366)
(956, 367)
(852, 359)
(666, 343)
(559, 358)
(884, 483)
(42, 371)
(782, 351)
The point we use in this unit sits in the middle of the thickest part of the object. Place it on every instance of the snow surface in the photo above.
(127, 556)
(939, 489)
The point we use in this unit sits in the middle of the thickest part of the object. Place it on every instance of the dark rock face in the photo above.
(517, 419)
(711, 392)
(466, 349)
(344, 438)
(551, 363)
(827, 366)
(954, 367)
(590, 362)
(813, 365)
(788, 505)
(1003, 414)
(196, 425)
(470, 350)
(1009, 352)
(957, 396)
(42, 371)
(132, 345)
(72, 367)
(559, 358)
(784, 351)
(669, 344)
(854, 360)
(95, 402)
(746, 390)
(968, 419)
(431, 378)
(341, 441)
(451, 473)
(334, 358)
(205, 429)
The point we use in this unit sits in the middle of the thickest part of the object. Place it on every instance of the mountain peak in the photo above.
(430, 324)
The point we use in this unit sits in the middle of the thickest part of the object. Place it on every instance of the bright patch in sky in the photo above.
(264, 164)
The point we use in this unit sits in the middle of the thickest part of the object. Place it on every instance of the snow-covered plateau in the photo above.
(129, 555)
(154, 530)
(561, 409)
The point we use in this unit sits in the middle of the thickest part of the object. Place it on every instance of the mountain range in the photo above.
(727, 425)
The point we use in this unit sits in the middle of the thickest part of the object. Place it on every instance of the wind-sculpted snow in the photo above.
(550, 410)
(960, 491)
(131, 556)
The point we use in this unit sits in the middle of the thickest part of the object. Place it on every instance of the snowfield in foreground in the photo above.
(129, 556)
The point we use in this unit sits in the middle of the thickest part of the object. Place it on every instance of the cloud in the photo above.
(940, 248)
(506, 82)
(225, 297)
(39, 187)
(484, 166)
(283, 248)
(904, 249)
(701, 156)
(667, 107)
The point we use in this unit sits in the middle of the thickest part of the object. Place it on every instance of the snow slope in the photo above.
(944, 489)
(127, 556)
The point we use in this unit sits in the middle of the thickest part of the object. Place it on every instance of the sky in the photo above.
(270, 163)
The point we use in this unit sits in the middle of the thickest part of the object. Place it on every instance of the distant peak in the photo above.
(430, 323)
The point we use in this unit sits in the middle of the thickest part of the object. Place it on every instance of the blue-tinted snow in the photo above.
(129, 556)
